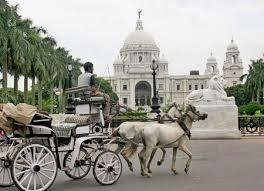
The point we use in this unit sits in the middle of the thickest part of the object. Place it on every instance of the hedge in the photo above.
(251, 109)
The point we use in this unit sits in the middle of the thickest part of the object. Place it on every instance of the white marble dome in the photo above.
(211, 59)
(139, 37)
(139, 40)
(163, 59)
(232, 46)
(118, 61)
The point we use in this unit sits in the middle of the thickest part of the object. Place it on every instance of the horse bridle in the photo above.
(195, 113)
(170, 117)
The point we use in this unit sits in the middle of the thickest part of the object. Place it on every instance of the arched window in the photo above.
(233, 59)
(140, 59)
(212, 69)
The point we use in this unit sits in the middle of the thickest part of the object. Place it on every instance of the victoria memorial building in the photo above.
(132, 79)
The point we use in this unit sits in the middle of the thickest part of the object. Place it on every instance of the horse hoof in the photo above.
(186, 170)
(149, 175)
(131, 168)
(159, 163)
(149, 171)
(142, 174)
(175, 172)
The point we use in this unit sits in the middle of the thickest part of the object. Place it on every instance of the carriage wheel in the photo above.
(5, 164)
(38, 166)
(81, 167)
(107, 168)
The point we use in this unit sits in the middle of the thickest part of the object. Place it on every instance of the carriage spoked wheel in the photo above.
(5, 165)
(81, 167)
(107, 168)
(38, 166)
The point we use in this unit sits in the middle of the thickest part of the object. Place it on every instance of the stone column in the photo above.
(132, 102)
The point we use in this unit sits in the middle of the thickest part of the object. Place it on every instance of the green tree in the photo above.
(255, 79)
(104, 86)
(242, 96)
(26, 50)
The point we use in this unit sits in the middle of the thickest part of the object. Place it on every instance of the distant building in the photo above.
(132, 79)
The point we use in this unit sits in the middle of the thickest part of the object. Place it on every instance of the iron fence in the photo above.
(251, 125)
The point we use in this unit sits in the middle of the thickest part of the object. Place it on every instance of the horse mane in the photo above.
(169, 107)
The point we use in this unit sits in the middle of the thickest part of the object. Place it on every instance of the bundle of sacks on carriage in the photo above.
(24, 114)
(10, 113)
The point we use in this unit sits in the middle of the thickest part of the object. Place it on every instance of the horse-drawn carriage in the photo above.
(31, 157)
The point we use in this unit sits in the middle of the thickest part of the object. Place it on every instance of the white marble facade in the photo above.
(132, 79)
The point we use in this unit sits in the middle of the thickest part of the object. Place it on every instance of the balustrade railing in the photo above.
(251, 125)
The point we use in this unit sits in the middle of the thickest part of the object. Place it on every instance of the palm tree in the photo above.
(13, 43)
(7, 36)
(255, 79)
(27, 50)
(36, 52)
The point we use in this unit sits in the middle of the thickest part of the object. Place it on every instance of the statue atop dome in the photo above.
(139, 13)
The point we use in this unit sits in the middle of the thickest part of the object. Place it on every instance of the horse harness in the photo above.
(180, 122)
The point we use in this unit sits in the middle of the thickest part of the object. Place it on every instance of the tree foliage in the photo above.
(251, 109)
(241, 94)
(29, 51)
(255, 80)
(104, 86)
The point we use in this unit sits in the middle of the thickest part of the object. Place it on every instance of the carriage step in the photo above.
(66, 168)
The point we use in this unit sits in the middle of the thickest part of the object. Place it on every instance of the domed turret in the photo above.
(211, 65)
(118, 61)
(233, 67)
(232, 46)
(163, 59)
(211, 59)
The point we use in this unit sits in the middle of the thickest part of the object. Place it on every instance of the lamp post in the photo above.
(155, 101)
(70, 109)
(57, 92)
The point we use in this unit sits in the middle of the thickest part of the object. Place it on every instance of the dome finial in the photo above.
(139, 22)
(232, 40)
(139, 13)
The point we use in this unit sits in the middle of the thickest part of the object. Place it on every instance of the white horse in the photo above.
(131, 133)
(168, 136)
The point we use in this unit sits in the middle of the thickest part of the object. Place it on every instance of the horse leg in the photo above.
(129, 163)
(145, 156)
(173, 164)
(188, 163)
(140, 157)
(151, 157)
(162, 158)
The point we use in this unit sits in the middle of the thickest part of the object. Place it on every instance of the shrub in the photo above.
(140, 109)
(128, 116)
(262, 109)
(7, 96)
(250, 109)
(258, 112)
(129, 109)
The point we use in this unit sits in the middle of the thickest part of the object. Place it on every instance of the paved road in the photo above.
(218, 165)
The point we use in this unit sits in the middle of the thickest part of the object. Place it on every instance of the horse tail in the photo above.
(130, 150)
(116, 133)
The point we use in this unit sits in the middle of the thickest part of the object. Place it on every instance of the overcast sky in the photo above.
(185, 31)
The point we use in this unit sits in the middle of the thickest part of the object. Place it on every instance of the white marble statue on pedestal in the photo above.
(222, 121)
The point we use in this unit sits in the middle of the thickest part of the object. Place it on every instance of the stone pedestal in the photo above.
(222, 121)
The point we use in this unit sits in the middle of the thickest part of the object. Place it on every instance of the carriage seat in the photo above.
(82, 95)
(83, 101)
